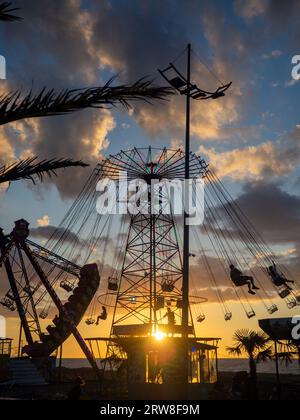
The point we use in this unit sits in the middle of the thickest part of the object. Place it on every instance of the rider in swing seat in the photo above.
(103, 316)
(240, 280)
(277, 278)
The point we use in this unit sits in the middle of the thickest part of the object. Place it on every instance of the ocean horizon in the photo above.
(225, 365)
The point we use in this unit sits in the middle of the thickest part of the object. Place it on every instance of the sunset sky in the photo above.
(251, 138)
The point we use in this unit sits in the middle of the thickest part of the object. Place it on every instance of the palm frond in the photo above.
(286, 358)
(31, 169)
(265, 355)
(14, 106)
(250, 341)
(5, 12)
(234, 351)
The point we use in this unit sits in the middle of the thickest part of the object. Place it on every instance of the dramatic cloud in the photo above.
(83, 137)
(274, 212)
(86, 42)
(46, 233)
(136, 55)
(249, 162)
(52, 48)
(261, 162)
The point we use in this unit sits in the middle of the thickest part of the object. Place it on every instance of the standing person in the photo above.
(171, 317)
(76, 391)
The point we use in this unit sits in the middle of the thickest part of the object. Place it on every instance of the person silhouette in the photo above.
(240, 280)
(76, 391)
(103, 316)
(277, 278)
(171, 317)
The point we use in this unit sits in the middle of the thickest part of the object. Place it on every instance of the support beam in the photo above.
(15, 291)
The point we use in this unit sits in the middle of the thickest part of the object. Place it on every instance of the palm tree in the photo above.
(288, 353)
(5, 12)
(31, 169)
(256, 346)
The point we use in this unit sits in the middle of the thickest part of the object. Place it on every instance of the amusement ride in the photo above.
(135, 275)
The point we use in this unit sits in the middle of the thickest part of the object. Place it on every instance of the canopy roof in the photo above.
(279, 329)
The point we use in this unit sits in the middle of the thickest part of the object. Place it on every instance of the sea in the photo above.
(225, 365)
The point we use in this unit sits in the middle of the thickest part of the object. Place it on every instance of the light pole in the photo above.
(184, 86)
(186, 232)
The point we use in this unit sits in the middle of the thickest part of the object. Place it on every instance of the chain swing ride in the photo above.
(141, 260)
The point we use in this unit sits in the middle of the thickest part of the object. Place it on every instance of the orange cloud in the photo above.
(44, 221)
(251, 162)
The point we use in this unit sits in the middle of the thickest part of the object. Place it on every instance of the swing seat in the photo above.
(284, 293)
(178, 83)
(167, 286)
(90, 321)
(10, 296)
(251, 314)
(8, 304)
(160, 304)
(273, 309)
(28, 291)
(201, 319)
(228, 316)
(199, 95)
(113, 284)
(179, 304)
(218, 95)
(292, 304)
(67, 286)
(44, 315)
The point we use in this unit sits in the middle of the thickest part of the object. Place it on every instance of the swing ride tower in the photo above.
(146, 296)
(155, 274)
(152, 270)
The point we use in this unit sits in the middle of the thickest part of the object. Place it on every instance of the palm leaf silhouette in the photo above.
(5, 12)
(48, 102)
(31, 169)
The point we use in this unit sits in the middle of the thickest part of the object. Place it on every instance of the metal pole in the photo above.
(186, 241)
(277, 373)
(60, 363)
(151, 260)
(20, 341)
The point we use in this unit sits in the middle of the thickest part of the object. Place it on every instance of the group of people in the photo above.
(239, 279)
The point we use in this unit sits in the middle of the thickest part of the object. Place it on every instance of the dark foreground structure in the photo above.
(280, 331)
(151, 366)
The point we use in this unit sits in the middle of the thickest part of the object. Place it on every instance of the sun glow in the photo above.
(159, 336)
